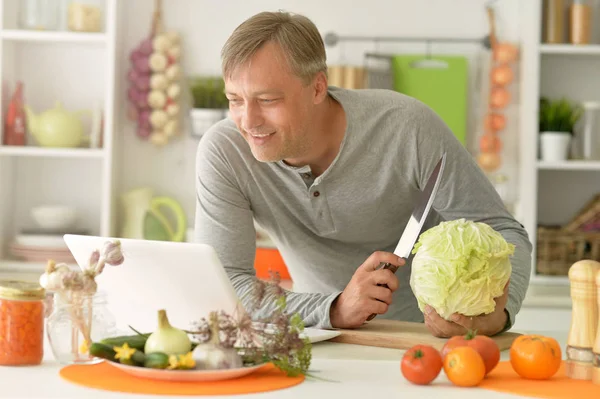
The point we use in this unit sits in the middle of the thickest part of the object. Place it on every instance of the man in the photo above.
(333, 176)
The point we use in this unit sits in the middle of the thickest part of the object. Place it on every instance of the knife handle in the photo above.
(383, 265)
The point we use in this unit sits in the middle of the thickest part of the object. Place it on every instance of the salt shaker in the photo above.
(596, 349)
(584, 319)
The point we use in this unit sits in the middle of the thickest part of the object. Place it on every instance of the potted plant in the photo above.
(210, 104)
(556, 127)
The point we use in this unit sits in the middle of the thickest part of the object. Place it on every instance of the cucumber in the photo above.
(137, 341)
(157, 360)
(103, 351)
(137, 359)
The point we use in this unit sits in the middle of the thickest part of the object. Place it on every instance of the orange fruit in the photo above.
(535, 357)
(464, 366)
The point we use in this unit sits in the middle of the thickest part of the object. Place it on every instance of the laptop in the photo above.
(186, 279)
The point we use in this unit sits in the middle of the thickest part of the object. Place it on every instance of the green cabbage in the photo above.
(460, 266)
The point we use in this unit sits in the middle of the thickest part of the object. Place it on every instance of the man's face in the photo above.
(272, 107)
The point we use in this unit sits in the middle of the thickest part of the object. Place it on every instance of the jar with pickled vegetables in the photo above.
(22, 316)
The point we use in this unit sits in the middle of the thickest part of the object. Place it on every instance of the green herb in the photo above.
(558, 115)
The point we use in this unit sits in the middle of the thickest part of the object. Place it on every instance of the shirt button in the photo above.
(316, 193)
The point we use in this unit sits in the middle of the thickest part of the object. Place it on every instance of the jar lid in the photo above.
(12, 289)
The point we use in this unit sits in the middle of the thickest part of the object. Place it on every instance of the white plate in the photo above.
(318, 335)
(185, 375)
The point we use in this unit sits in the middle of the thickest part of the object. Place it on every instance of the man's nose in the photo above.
(251, 116)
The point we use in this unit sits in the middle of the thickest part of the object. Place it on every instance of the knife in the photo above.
(417, 218)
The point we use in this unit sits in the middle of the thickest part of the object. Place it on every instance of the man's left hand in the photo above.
(489, 324)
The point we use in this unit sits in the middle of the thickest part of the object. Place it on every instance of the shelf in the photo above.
(52, 36)
(31, 151)
(569, 165)
(20, 266)
(570, 49)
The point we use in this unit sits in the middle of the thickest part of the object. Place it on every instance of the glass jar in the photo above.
(75, 323)
(21, 323)
(39, 14)
(85, 15)
(554, 24)
(580, 20)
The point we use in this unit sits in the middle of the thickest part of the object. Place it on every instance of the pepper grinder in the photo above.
(584, 319)
(596, 350)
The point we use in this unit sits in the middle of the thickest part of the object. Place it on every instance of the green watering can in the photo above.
(143, 216)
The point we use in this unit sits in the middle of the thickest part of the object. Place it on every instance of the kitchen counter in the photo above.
(352, 371)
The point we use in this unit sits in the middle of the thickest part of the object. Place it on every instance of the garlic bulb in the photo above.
(167, 339)
(158, 119)
(157, 99)
(173, 72)
(161, 43)
(158, 62)
(173, 90)
(174, 53)
(52, 278)
(173, 109)
(212, 355)
(159, 81)
(171, 128)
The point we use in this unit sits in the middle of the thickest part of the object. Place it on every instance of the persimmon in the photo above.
(464, 366)
(535, 357)
(421, 364)
(486, 347)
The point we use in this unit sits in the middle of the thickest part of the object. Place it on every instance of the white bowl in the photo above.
(54, 217)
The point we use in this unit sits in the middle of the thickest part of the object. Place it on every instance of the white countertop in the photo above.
(355, 370)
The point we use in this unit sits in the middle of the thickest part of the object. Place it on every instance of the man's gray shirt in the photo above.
(326, 227)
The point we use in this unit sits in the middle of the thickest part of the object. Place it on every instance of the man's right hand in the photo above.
(363, 296)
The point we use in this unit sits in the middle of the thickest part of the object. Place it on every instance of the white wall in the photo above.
(206, 24)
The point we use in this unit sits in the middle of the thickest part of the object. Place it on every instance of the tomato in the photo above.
(486, 346)
(421, 364)
(535, 357)
(464, 366)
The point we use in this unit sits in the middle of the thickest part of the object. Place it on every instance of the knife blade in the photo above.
(417, 218)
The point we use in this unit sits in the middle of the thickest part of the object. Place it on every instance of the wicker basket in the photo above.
(558, 249)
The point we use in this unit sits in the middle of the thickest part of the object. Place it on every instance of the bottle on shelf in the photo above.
(14, 126)
(580, 22)
(554, 21)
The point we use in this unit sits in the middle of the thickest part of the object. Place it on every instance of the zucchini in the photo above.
(103, 351)
(157, 360)
(137, 341)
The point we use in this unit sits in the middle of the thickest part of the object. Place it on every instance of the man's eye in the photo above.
(267, 100)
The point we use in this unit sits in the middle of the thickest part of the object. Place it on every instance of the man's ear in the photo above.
(320, 85)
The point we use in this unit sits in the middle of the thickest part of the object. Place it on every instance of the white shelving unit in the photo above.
(79, 70)
(552, 192)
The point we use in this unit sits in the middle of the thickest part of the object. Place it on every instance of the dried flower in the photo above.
(274, 339)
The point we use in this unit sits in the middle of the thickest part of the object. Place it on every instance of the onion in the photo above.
(146, 47)
(213, 356)
(167, 339)
(143, 82)
(144, 119)
(142, 64)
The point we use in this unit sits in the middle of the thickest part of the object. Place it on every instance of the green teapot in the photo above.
(56, 127)
(143, 216)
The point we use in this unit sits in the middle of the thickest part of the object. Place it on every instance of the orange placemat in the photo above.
(504, 379)
(105, 377)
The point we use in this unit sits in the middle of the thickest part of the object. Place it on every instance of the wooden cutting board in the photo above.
(403, 335)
